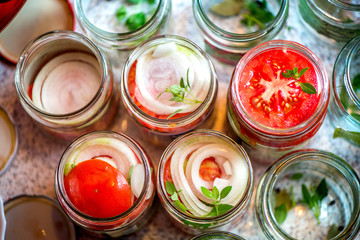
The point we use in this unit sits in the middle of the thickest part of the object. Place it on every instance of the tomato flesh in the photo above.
(98, 189)
(209, 170)
(270, 98)
(132, 88)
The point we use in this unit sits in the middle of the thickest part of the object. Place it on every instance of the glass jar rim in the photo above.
(346, 6)
(347, 78)
(188, 118)
(80, 15)
(49, 37)
(299, 129)
(208, 236)
(168, 151)
(237, 37)
(137, 150)
(271, 175)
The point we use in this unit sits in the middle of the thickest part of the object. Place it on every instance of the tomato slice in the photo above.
(98, 189)
(209, 170)
(271, 99)
(132, 88)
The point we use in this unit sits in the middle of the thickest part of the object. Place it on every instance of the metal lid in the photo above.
(8, 140)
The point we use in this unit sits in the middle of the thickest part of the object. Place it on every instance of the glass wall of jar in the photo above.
(205, 182)
(217, 235)
(168, 86)
(66, 85)
(344, 107)
(278, 96)
(335, 21)
(231, 28)
(309, 194)
(117, 26)
(84, 184)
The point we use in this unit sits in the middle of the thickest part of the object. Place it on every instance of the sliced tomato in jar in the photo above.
(209, 169)
(270, 98)
(98, 189)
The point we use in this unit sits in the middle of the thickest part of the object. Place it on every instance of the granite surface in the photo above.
(32, 171)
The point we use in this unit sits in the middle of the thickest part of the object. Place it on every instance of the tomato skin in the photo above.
(209, 170)
(98, 189)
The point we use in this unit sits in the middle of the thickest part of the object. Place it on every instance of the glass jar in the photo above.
(268, 121)
(152, 107)
(344, 107)
(126, 156)
(100, 21)
(43, 56)
(306, 177)
(230, 28)
(217, 235)
(335, 21)
(186, 167)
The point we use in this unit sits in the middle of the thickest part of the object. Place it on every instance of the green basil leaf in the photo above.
(296, 176)
(349, 135)
(135, 21)
(120, 13)
(151, 1)
(174, 113)
(176, 99)
(227, 8)
(187, 78)
(308, 88)
(181, 206)
(182, 85)
(170, 188)
(280, 213)
(303, 71)
(212, 213)
(306, 196)
(174, 197)
(207, 193)
(224, 208)
(215, 193)
(135, 1)
(225, 192)
(322, 189)
(287, 74)
(176, 89)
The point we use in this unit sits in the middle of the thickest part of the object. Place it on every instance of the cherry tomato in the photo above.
(270, 98)
(98, 189)
(209, 170)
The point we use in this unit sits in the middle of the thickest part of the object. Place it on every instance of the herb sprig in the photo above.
(352, 136)
(314, 197)
(171, 190)
(216, 197)
(306, 87)
(179, 91)
(258, 14)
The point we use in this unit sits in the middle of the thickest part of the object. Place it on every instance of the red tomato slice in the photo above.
(98, 189)
(209, 170)
(271, 99)
(167, 172)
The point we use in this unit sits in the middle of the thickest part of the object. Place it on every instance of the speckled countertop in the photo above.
(32, 171)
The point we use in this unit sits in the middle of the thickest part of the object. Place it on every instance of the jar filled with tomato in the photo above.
(169, 86)
(335, 21)
(344, 107)
(119, 26)
(232, 27)
(205, 182)
(66, 85)
(278, 97)
(105, 184)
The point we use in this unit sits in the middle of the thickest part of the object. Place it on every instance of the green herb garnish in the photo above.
(179, 91)
(135, 21)
(280, 213)
(284, 202)
(314, 197)
(216, 197)
(72, 165)
(130, 173)
(354, 137)
(306, 87)
(120, 13)
(296, 176)
(258, 14)
(171, 190)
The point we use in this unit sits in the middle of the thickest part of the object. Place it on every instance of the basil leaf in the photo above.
(349, 135)
(322, 189)
(135, 1)
(227, 8)
(181, 206)
(170, 188)
(308, 88)
(135, 21)
(302, 71)
(182, 85)
(212, 213)
(174, 113)
(151, 1)
(120, 13)
(287, 75)
(224, 208)
(306, 196)
(174, 197)
(207, 193)
(215, 193)
(280, 213)
(225, 192)
(296, 176)
(176, 89)
(176, 99)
